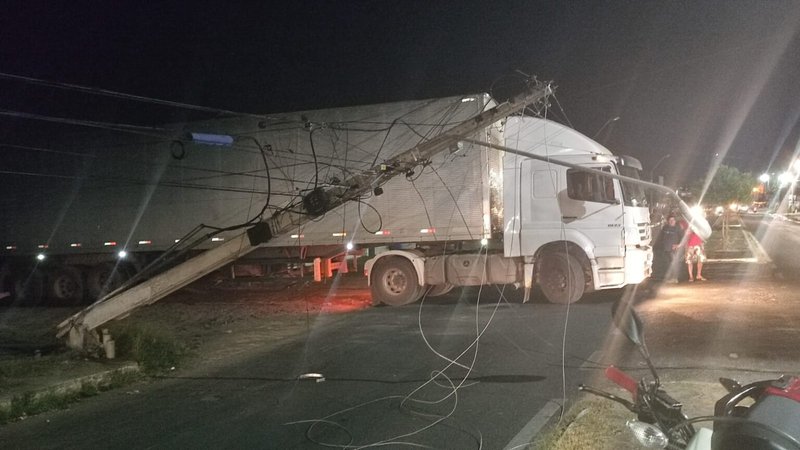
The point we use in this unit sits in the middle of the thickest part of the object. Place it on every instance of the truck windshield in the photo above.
(632, 194)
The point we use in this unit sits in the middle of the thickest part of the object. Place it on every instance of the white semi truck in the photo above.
(566, 229)
(446, 192)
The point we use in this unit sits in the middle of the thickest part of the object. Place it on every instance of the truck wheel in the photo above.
(439, 289)
(560, 277)
(28, 288)
(6, 284)
(394, 282)
(66, 285)
(104, 278)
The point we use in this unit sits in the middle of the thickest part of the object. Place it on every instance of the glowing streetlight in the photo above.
(608, 122)
(764, 178)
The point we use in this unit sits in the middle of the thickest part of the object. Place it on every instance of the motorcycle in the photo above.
(771, 422)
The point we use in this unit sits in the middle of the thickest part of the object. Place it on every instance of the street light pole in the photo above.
(653, 170)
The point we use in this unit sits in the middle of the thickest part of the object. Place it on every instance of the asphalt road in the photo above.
(381, 384)
(780, 239)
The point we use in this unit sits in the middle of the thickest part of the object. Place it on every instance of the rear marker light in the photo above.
(427, 231)
(42, 246)
(75, 244)
(217, 239)
(11, 247)
(382, 233)
(342, 234)
(297, 236)
(110, 244)
(145, 242)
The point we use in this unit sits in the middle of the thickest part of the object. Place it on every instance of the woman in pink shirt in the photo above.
(695, 254)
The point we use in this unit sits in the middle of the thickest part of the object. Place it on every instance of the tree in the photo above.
(729, 185)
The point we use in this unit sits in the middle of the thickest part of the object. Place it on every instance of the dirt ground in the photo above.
(212, 319)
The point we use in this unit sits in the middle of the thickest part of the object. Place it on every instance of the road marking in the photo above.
(523, 439)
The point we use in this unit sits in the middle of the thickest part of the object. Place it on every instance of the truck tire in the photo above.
(104, 278)
(65, 286)
(560, 277)
(6, 285)
(394, 282)
(28, 288)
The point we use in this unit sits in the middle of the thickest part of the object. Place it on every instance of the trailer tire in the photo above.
(560, 277)
(394, 282)
(104, 278)
(28, 288)
(66, 285)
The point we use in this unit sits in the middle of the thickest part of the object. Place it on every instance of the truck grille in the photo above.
(644, 231)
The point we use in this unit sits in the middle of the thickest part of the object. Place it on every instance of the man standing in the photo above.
(671, 235)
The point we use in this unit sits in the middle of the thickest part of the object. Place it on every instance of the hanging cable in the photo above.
(121, 95)
(361, 218)
(314, 155)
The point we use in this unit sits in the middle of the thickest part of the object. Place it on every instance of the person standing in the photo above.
(695, 254)
(671, 235)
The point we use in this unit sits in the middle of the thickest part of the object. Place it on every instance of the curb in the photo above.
(74, 385)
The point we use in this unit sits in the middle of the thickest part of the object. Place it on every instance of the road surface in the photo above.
(780, 238)
(380, 384)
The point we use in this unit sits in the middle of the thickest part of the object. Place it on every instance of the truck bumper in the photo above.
(618, 272)
(638, 264)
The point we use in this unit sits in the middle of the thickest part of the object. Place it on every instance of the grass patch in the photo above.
(155, 350)
(13, 370)
(590, 423)
(30, 403)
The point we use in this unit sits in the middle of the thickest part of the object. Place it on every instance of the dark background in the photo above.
(707, 82)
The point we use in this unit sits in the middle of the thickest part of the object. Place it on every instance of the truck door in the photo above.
(591, 205)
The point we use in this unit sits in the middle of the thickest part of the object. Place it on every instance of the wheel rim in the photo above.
(395, 281)
(555, 281)
(561, 279)
(65, 287)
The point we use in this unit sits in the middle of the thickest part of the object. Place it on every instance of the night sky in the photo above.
(704, 81)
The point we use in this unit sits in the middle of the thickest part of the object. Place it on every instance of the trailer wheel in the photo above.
(560, 277)
(28, 288)
(439, 289)
(66, 285)
(394, 282)
(104, 278)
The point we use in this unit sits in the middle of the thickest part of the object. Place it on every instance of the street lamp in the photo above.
(653, 170)
(764, 178)
(608, 122)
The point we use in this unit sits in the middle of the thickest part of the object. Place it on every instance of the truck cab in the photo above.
(579, 230)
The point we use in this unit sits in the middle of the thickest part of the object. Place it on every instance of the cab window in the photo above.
(590, 187)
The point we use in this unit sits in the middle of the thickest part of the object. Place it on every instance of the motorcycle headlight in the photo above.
(647, 434)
